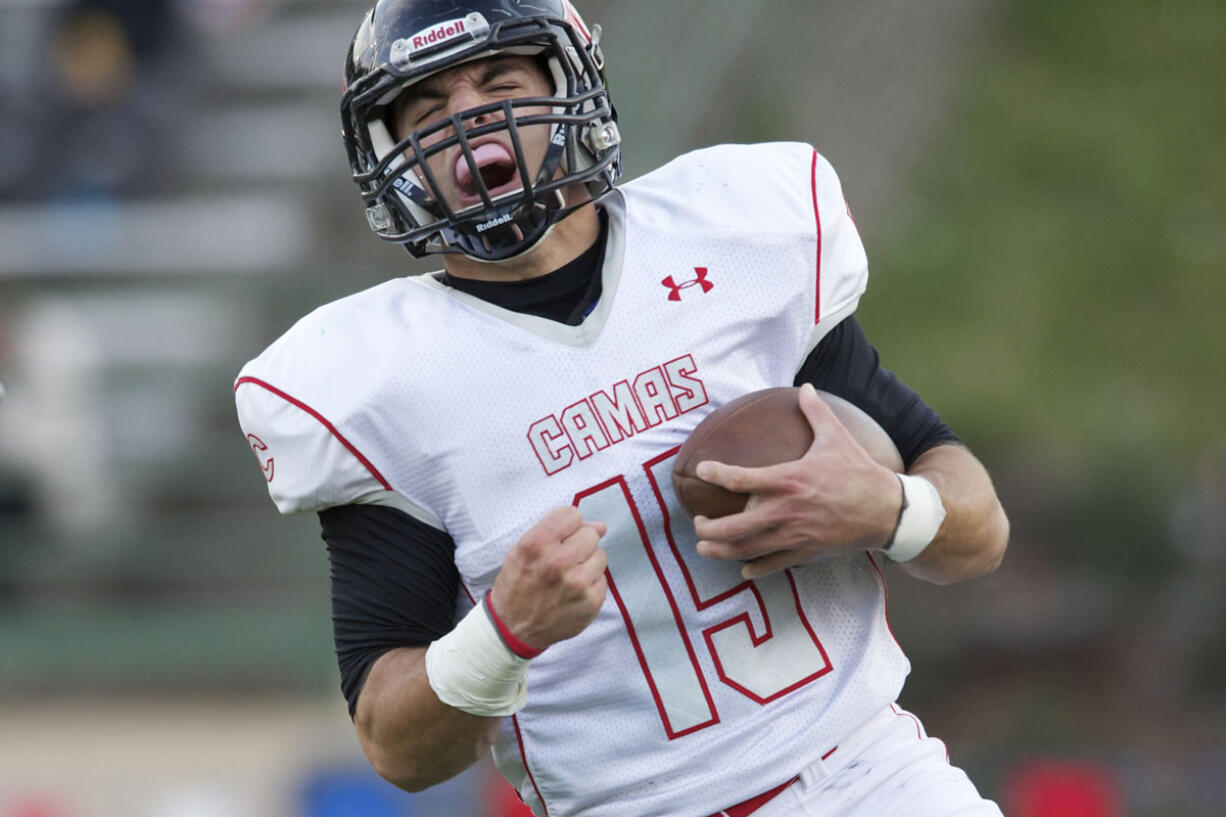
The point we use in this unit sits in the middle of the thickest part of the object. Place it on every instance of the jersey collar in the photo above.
(587, 331)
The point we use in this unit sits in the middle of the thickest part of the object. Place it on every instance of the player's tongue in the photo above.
(494, 162)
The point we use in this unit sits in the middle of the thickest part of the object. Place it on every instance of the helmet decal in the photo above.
(572, 14)
(438, 38)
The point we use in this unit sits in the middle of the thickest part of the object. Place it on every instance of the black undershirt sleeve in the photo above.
(394, 584)
(844, 363)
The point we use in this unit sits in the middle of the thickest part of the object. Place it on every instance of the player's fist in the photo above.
(552, 582)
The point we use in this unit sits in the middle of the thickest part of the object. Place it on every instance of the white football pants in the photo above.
(887, 768)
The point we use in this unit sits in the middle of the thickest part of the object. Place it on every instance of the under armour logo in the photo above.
(700, 281)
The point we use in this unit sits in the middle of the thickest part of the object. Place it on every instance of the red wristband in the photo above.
(513, 644)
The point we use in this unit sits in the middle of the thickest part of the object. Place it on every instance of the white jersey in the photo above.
(692, 690)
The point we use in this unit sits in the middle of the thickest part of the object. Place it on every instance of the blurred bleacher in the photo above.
(129, 297)
(168, 204)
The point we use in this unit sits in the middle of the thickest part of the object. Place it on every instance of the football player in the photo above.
(489, 447)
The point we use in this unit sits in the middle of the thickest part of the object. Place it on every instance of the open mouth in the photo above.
(496, 168)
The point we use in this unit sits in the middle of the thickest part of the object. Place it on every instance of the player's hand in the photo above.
(834, 500)
(552, 582)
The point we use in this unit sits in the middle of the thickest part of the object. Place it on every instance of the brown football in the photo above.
(763, 428)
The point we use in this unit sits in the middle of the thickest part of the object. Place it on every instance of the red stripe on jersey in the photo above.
(374, 472)
(885, 588)
(919, 732)
(817, 219)
(519, 738)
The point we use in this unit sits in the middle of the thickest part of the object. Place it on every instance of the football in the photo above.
(763, 428)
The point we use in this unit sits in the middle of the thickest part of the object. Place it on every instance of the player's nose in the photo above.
(466, 98)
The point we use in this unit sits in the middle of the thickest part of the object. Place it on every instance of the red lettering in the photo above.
(584, 429)
(591, 425)
(651, 389)
(439, 34)
(619, 414)
(544, 435)
(692, 393)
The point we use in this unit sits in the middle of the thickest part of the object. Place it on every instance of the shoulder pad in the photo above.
(300, 401)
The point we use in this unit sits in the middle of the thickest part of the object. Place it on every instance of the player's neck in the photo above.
(569, 239)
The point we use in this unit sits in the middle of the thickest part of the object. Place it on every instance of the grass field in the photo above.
(1063, 256)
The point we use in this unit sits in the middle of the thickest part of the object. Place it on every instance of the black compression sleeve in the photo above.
(394, 584)
(846, 364)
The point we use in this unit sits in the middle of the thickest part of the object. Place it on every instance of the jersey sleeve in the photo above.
(842, 263)
(313, 407)
(846, 364)
(306, 460)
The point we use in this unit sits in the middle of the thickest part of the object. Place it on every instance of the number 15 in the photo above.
(763, 665)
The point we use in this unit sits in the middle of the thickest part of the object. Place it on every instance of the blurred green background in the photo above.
(1041, 187)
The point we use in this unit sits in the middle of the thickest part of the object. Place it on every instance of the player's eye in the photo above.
(428, 114)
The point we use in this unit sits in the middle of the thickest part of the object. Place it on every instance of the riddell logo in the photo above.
(441, 37)
(494, 222)
(470, 27)
(439, 34)
(699, 281)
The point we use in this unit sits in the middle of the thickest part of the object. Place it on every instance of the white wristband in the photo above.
(918, 521)
(472, 669)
